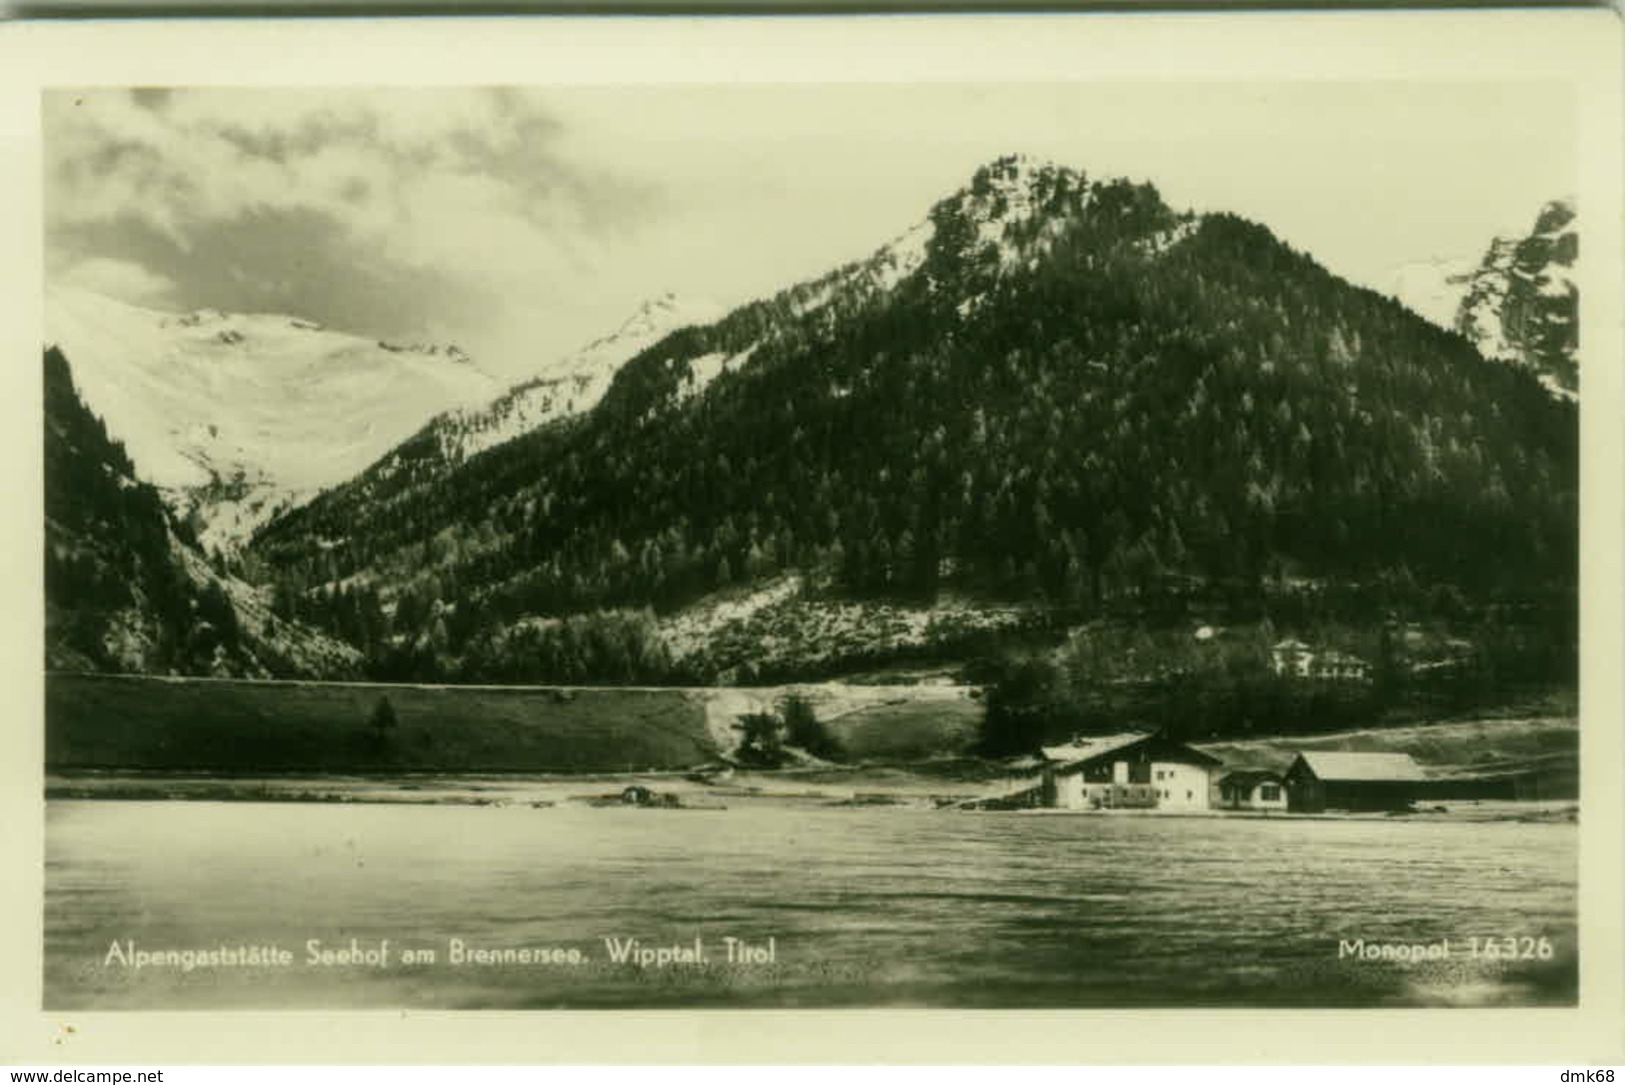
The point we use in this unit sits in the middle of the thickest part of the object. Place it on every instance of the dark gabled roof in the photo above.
(1087, 749)
(1362, 767)
(1247, 779)
(1083, 751)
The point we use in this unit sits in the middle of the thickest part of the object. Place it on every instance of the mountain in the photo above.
(1434, 288)
(1522, 303)
(1056, 393)
(235, 417)
(126, 591)
(1517, 303)
(572, 386)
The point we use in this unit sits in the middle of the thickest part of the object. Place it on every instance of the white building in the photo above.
(1292, 658)
(1126, 771)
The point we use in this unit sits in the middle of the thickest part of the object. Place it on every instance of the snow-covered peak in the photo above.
(1521, 305)
(1016, 208)
(1557, 218)
(1434, 288)
(1011, 188)
(653, 320)
(1517, 302)
(1013, 207)
(572, 385)
(237, 415)
(656, 317)
(1005, 198)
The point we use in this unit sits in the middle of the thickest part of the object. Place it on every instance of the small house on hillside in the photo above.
(1125, 771)
(1445, 659)
(1334, 666)
(1352, 781)
(1293, 658)
(1252, 789)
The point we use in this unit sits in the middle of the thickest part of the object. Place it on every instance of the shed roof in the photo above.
(1362, 766)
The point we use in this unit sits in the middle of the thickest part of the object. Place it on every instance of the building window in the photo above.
(1269, 793)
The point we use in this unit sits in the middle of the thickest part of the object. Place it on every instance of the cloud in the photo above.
(522, 223)
(120, 278)
(416, 209)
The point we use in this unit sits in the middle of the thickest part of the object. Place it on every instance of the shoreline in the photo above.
(677, 792)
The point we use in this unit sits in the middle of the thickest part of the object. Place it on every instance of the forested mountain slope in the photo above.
(1056, 389)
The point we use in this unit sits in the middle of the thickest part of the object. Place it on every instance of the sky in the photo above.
(521, 223)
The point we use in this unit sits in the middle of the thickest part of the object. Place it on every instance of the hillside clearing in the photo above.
(245, 727)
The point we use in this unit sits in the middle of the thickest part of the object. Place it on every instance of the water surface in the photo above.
(865, 907)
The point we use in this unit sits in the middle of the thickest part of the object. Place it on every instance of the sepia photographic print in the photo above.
(728, 542)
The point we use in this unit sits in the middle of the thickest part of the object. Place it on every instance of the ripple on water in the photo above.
(873, 908)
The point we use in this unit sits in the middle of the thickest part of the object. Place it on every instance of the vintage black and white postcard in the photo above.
(941, 514)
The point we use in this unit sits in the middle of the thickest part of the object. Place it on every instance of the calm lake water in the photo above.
(863, 907)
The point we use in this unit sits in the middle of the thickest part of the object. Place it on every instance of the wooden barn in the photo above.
(1353, 781)
(1126, 771)
(1252, 789)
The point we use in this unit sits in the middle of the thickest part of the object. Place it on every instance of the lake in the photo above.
(826, 907)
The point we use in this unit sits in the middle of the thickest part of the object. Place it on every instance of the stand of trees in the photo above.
(766, 737)
(1113, 676)
(117, 594)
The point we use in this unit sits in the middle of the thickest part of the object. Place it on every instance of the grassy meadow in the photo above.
(248, 727)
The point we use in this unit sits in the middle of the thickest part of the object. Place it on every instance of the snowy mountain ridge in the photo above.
(235, 417)
(1517, 303)
(1004, 222)
(1007, 218)
(1434, 288)
(575, 386)
(1521, 304)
